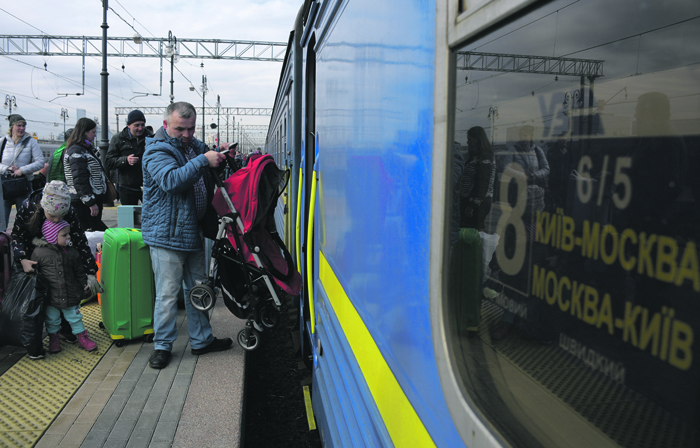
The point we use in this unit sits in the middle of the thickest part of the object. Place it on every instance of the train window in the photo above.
(574, 282)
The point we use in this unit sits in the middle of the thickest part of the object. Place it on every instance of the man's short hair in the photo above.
(183, 109)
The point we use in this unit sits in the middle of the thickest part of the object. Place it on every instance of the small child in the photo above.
(62, 267)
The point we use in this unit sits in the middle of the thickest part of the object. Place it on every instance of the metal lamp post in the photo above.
(204, 94)
(64, 115)
(104, 86)
(218, 123)
(10, 101)
(493, 115)
(171, 50)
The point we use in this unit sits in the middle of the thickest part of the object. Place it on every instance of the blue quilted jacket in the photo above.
(168, 215)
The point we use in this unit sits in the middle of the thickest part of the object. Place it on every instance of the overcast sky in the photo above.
(239, 83)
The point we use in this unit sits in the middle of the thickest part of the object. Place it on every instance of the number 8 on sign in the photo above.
(512, 215)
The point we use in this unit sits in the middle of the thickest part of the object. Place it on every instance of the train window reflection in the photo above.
(574, 281)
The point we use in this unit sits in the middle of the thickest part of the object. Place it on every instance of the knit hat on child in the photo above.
(56, 199)
(51, 229)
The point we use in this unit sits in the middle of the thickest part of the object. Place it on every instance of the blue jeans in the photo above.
(72, 315)
(8, 207)
(171, 268)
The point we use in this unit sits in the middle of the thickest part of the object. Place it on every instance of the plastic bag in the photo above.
(22, 310)
(95, 240)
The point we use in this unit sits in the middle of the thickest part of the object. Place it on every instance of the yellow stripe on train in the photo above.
(403, 424)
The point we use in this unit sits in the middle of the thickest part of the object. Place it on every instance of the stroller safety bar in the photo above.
(272, 290)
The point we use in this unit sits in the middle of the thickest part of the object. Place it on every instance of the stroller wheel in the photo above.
(202, 297)
(252, 342)
(269, 316)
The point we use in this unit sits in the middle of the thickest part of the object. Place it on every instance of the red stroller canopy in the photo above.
(254, 190)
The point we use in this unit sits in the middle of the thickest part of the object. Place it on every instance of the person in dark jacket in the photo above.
(85, 176)
(534, 168)
(124, 155)
(54, 204)
(61, 266)
(457, 170)
(561, 164)
(477, 180)
(176, 191)
(51, 204)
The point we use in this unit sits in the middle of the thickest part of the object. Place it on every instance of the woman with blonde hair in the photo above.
(21, 156)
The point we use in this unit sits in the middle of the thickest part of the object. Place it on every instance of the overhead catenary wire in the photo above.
(135, 19)
(23, 21)
(123, 72)
(27, 97)
(66, 77)
(526, 25)
(43, 32)
(95, 90)
(187, 79)
(131, 26)
(632, 36)
(93, 57)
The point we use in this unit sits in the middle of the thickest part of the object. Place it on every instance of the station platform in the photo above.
(112, 398)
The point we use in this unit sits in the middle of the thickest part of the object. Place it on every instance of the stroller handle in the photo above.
(220, 185)
(217, 180)
(230, 162)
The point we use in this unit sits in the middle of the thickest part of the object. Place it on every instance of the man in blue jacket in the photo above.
(175, 197)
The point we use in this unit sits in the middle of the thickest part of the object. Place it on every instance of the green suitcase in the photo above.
(129, 294)
(465, 284)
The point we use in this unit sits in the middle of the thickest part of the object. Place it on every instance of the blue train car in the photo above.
(494, 205)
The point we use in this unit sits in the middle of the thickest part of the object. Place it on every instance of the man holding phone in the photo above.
(124, 155)
(176, 191)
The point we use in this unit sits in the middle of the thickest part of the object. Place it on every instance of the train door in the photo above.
(309, 175)
(288, 192)
(281, 161)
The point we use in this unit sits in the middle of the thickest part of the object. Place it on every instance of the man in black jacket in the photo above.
(125, 153)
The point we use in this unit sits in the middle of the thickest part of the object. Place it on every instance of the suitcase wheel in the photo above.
(148, 338)
(120, 343)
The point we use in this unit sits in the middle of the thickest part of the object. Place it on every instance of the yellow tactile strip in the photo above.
(33, 392)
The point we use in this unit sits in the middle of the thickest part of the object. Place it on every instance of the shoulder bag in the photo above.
(14, 187)
(111, 193)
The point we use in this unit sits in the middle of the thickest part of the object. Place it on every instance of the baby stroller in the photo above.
(249, 262)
